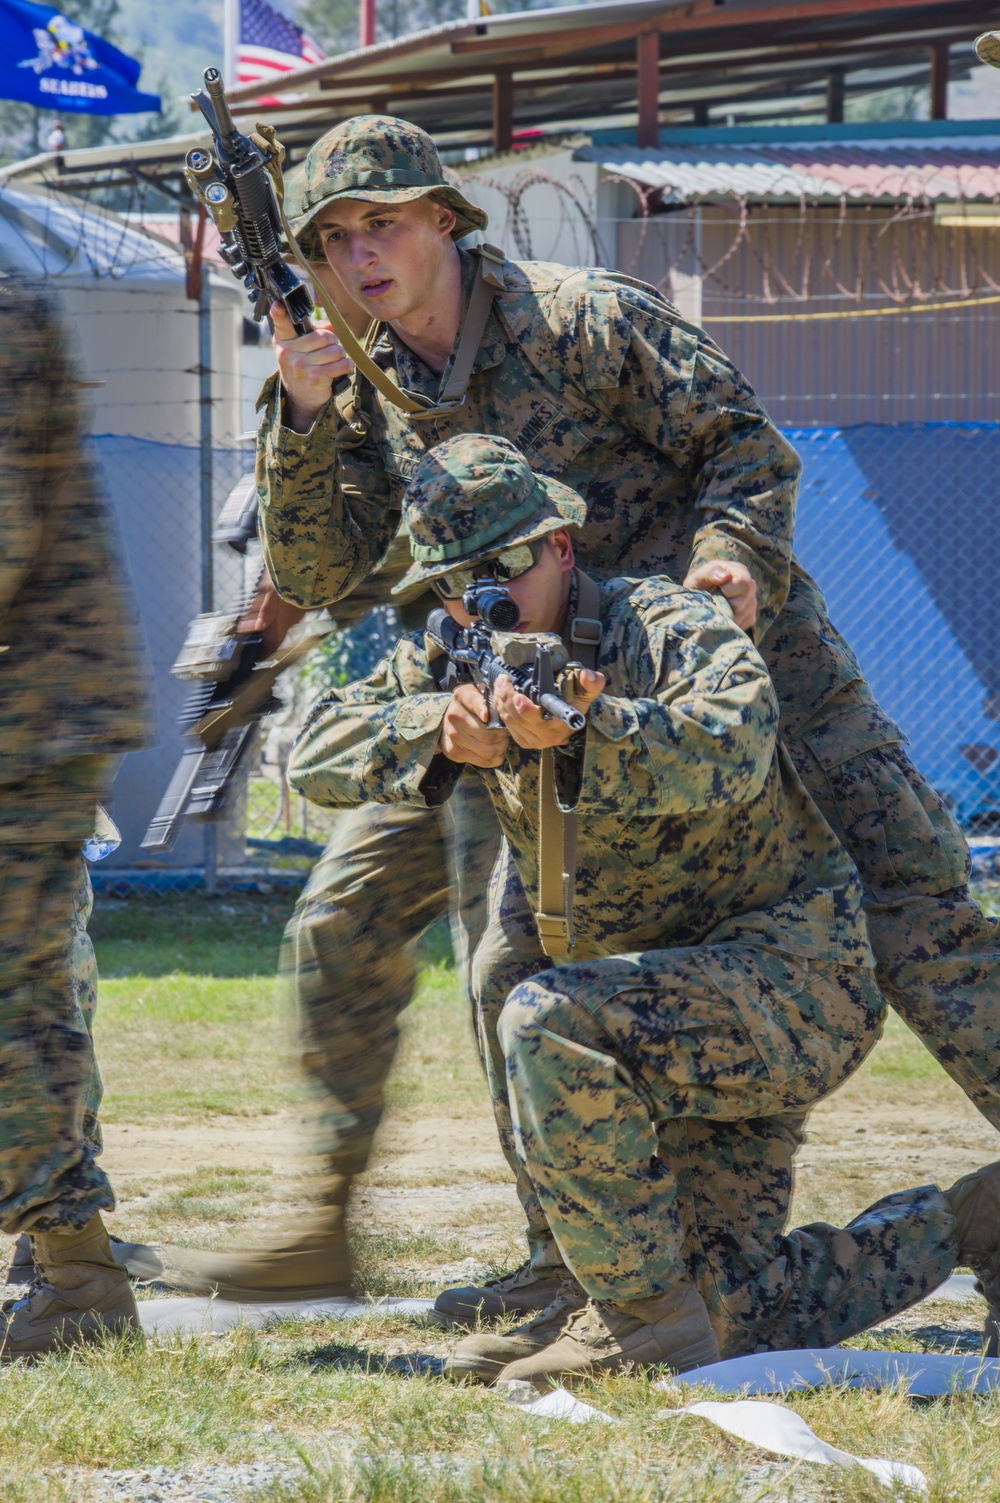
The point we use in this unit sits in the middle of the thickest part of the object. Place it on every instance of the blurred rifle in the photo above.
(536, 662)
(235, 677)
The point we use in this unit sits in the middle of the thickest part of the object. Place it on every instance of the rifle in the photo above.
(221, 717)
(234, 184)
(536, 662)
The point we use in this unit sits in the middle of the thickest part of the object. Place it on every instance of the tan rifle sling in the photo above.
(557, 827)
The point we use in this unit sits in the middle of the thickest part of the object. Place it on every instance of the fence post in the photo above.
(207, 506)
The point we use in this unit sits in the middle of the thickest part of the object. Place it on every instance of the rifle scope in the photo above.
(491, 603)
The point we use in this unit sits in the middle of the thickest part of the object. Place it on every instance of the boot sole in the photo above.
(700, 1354)
(88, 1332)
(474, 1370)
(471, 1317)
(465, 1320)
(238, 1295)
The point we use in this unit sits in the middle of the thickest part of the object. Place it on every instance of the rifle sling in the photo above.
(557, 827)
(488, 282)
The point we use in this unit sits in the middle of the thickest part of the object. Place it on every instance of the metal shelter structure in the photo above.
(635, 65)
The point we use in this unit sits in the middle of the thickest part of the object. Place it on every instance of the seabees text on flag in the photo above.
(48, 60)
(268, 44)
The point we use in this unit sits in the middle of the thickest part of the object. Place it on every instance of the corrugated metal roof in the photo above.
(953, 167)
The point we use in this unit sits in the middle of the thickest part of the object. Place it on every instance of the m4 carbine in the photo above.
(536, 662)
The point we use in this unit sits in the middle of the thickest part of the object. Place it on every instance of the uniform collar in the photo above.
(389, 350)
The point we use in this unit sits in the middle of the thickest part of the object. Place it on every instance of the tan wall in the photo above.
(908, 366)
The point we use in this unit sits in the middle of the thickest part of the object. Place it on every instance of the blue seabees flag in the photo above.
(49, 61)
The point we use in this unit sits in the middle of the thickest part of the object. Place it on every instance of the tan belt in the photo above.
(557, 827)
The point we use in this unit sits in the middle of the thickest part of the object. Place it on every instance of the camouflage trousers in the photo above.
(937, 955)
(656, 1102)
(388, 874)
(51, 1086)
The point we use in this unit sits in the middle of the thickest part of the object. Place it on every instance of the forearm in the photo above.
(323, 527)
(694, 724)
(733, 469)
(739, 534)
(354, 753)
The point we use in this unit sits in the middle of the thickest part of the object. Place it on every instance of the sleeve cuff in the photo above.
(718, 548)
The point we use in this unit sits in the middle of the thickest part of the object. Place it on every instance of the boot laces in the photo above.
(589, 1326)
(21, 1301)
(568, 1298)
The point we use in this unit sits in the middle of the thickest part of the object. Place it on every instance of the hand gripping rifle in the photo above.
(234, 182)
(536, 662)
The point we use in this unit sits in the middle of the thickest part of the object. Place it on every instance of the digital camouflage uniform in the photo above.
(721, 980)
(72, 697)
(350, 949)
(600, 382)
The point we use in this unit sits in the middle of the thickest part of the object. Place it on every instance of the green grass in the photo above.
(196, 1040)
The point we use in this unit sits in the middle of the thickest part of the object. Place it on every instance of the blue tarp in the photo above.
(898, 524)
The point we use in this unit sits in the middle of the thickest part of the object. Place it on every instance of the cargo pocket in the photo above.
(893, 825)
(760, 985)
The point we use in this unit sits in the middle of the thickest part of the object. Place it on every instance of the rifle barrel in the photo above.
(553, 705)
(216, 91)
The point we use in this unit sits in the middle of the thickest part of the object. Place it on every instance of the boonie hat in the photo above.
(378, 159)
(473, 496)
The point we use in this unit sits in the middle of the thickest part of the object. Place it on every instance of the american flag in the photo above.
(268, 44)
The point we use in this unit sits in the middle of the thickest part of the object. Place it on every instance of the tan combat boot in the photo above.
(605, 1336)
(523, 1292)
(79, 1294)
(140, 1260)
(314, 1262)
(483, 1356)
(974, 1201)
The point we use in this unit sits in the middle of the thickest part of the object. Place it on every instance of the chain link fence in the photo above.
(896, 522)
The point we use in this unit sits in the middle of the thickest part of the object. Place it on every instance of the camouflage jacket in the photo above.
(600, 383)
(72, 679)
(693, 824)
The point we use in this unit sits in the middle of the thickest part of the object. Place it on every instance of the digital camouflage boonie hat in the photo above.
(471, 497)
(378, 159)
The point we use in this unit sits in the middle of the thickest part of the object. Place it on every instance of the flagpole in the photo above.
(230, 40)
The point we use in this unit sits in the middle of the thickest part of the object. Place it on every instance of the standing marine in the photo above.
(72, 699)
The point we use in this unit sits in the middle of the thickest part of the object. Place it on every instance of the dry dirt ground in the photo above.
(443, 1174)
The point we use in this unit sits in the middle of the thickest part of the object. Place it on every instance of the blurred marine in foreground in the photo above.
(72, 698)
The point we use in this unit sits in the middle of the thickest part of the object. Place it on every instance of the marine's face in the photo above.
(388, 256)
(542, 593)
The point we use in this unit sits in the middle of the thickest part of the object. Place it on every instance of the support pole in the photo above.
(230, 41)
(939, 81)
(366, 28)
(648, 88)
(207, 508)
(835, 96)
(503, 110)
